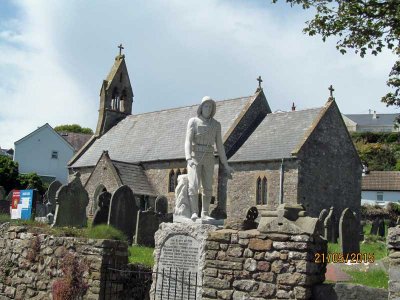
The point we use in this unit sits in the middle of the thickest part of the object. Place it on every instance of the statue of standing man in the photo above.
(202, 133)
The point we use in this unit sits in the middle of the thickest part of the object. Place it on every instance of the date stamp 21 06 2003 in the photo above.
(321, 258)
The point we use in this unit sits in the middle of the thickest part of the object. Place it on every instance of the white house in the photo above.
(380, 187)
(47, 153)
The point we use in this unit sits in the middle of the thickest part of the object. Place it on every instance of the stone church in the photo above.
(304, 156)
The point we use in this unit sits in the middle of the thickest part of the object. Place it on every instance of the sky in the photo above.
(54, 56)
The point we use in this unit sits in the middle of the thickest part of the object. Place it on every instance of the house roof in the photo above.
(368, 120)
(381, 181)
(156, 135)
(134, 176)
(277, 136)
(76, 140)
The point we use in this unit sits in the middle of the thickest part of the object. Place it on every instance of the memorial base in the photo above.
(179, 257)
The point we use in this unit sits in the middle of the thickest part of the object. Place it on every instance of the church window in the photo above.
(171, 182)
(115, 99)
(264, 191)
(184, 171)
(176, 177)
(258, 191)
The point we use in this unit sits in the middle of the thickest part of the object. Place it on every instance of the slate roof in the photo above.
(76, 140)
(277, 136)
(381, 181)
(134, 177)
(156, 135)
(367, 119)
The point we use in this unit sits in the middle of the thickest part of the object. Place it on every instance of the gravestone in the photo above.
(161, 206)
(349, 232)
(375, 226)
(179, 256)
(330, 227)
(147, 223)
(102, 211)
(41, 210)
(123, 211)
(5, 207)
(51, 195)
(381, 227)
(321, 219)
(71, 202)
(2, 193)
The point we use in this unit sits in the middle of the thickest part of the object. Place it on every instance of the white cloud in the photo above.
(55, 54)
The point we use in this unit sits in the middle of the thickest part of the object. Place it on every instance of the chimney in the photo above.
(374, 116)
(293, 107)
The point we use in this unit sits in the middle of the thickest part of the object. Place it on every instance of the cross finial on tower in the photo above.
(120, 49)
(259, 81)
(331, 89)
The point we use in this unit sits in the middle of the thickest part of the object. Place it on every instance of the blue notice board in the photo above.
(22, 203)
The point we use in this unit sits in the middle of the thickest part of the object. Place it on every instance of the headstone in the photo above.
(182, 211)
(51, 194)
(71, 202)
(2, 193)
(5, 207)
(147, 223)
(101, 214)
(349, 232)
(179, 260)
(161, 205)
(374, 226)
(330, 227)
(123, 211)
(381, 227)
(321, 219)
(40, 210)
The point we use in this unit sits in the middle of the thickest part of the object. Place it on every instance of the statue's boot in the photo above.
(194, 205)
(205, 208)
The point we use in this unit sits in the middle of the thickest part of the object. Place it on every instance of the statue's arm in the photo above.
(189, 139)
(220, 146)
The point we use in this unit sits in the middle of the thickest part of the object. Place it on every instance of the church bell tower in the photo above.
(116, 96)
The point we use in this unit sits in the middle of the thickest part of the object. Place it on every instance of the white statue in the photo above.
(202, 133)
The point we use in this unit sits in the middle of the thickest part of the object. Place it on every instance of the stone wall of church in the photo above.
(241, 189)
(85, 173)
(330, 169)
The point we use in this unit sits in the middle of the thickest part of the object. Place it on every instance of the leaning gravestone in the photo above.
(123, 211)
(161, 205)
(349, 232)
(51, 195)
(321, 219)
(147, 223)
(381, 227)
(71, 202)
(102, 211)
(179, 260)
(375, 226)
(330, 227)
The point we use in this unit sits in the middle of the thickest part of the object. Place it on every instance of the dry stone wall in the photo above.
(254, 265)
(30, 262)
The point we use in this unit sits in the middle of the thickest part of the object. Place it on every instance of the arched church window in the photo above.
(258, 191)
(176, 177)
(184, 171)
(171, 181)
(264, 191)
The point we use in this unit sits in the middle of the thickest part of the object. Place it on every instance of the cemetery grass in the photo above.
(373, 278)
(141, 255)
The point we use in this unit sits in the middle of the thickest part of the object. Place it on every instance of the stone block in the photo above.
(225, 295)
(219, 284)
(245, 285)
(260, 245)
(223, 235)
(250, 264)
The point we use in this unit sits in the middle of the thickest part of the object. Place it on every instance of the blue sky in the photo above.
(55, 54)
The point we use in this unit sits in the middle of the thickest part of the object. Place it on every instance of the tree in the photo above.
(73, 128)
(361, 25)
(30, 181)
(8, 173)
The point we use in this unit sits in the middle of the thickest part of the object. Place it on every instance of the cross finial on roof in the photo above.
(331, 89)
(120, 49)
(259, 81)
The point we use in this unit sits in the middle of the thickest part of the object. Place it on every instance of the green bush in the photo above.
(105, 232)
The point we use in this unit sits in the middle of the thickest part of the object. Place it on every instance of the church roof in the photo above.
(277, 136)
(156, 135)
(134, 177)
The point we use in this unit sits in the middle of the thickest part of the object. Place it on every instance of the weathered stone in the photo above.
(263, 266)
(330, 232)
(290, 245)
(237, 295)
(71, 200)
(211, 293)
(210, 272)
(212, 245)
(216, 283)
(265, 290)
(224, 264)
(243, 242)
(265, 276)
(236, 251)
(250, 264)
(349, 232)
(123, 211)
(278, 237)
(51, 195)
(292, 279)
(226, 295)
(260, 245)
(276, 266)
(271, 256)
(223, 235)
(245, 285)
(248, 234)
(211, 254)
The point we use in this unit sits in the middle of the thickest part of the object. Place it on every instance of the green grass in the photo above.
(372, 278)
(105, 232)
(141, 255)
(377, 248)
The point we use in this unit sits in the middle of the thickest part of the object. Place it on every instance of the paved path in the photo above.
(334, 273)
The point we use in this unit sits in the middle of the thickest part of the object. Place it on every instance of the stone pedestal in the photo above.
(179, 256)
